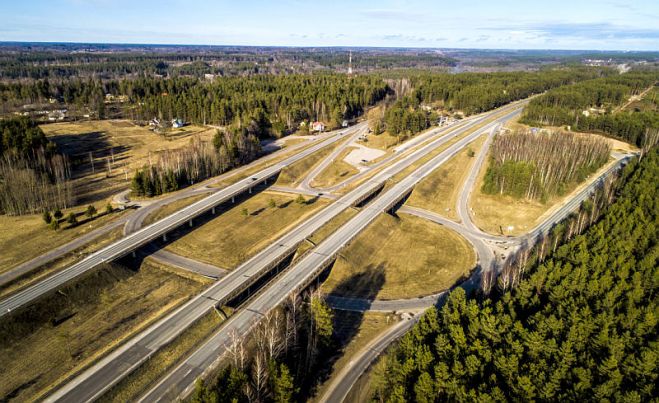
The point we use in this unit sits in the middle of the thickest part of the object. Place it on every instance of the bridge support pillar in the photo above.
(164, 237)
(250, 190)
(233, 199)
(213, 210)
(134, 254)
(190, 223)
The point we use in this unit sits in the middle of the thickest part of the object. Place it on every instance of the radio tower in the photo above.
(350, 64)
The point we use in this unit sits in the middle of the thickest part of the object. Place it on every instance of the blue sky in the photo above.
(531, 24)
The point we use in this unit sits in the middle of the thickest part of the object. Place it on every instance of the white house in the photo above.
(317, 127)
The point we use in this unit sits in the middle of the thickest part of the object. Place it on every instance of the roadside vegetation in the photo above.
(32, 230)
(284, 360)
(399, 258)
(572, 322)
(440, 190)
(538, 166)
(59, 334)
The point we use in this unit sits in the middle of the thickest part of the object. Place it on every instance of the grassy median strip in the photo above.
(337, 171)
(138, 382)
(64, 332)
(294, 173)
(440, 190)
(172, 207)
(240, 232)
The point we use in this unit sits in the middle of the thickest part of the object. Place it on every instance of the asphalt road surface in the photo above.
(345, 380)
(181, 379)
(145, 235)
(105, 373)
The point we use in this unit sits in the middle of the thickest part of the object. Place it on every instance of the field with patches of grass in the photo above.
(336, 172)
(440, 190)
(63, 332)
(293, 174)
(20, 231)
(244, 229)
(400, 257)
(117, 147)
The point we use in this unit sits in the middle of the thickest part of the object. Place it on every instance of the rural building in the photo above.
(317, 127)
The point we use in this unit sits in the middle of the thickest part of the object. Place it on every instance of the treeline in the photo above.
(198, 161)
(479, 92)
(579, 326)
(537, 166)
(470, 93)
(285, 361)
(33, 176)
(283, 101)
(592, 106)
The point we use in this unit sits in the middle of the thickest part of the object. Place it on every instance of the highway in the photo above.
(147, 234)
(98, 378)
(133, 221)
(341, 385)
(181, 379)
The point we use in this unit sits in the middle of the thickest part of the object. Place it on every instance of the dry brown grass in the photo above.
(337, 171)
(440, 190)
(383, 141)
(293, 174)
(172, 207)
(132, 145)
(231, 238)
(404, 257)
(25, 237)
(66, 331)
(60, 263)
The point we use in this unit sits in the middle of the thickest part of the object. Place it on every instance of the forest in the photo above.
(593, 106)
(198, 161)
(537, 166)
(282, 101)
(419, 92)
(579, 324)
(33, 175)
